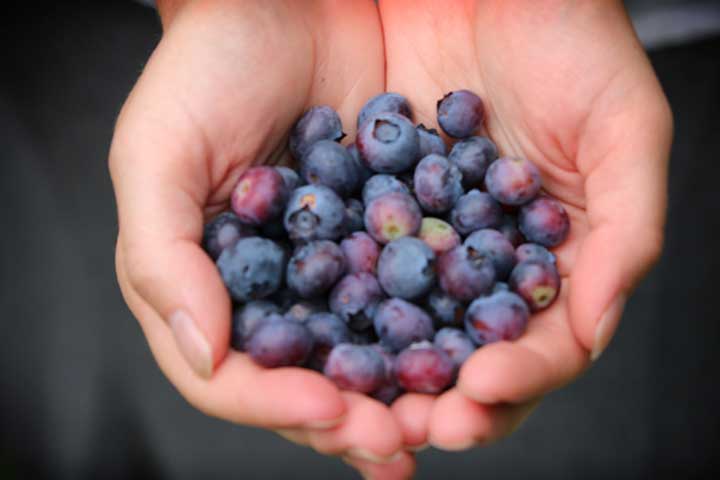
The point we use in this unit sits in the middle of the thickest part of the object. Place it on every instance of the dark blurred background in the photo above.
(81, 397)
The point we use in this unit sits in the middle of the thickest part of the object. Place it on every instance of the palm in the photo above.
(549, 99)
(220, 93)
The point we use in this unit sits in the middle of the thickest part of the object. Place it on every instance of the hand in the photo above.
(567, 85)
(220, 92)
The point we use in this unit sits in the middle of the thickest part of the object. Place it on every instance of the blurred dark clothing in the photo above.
(81, 397)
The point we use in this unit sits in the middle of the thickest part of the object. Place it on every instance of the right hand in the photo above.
(219, 94)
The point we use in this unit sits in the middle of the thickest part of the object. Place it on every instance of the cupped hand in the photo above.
(567, 85)
(219, 94)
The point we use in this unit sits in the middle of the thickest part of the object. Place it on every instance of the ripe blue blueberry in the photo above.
(314, 212)
(385, 103)
(246, 317)
(406, 268)
(279, 343)
(495, 246)
(359, 368)
(456, 343)
(328, 163)
(355, 299)
(430, 142)
(465, 273)
(460, 113)
(472, 157)
(437, 184)
(315, 267)
(475, 210)
(399, 323)
(252, 269)
(317, 123)
(388, 143)
(327, 331)
(224, 231)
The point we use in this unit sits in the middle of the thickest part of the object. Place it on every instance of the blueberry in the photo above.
(456, 343)
(355, 367)
(509, 228)
(259, 196)
(317, 123)
(464, 273)
(544, 221)
(315, 267)
(379, 185)
(501, 287)
(224, 231)
(439, 235)
(437, 184)
(430, 142)
(301, 311)
(537, 282)
(406, 268)
(252, 269)
(361, 170)
(355, 299)
(290, 177)
(361, 252)
(314, 212)
(392, 216)
(388, 143)
(389, 390)
(424, 368)
(532, 251)
(399, 323)
(475, 210)
(328, 163)
(246, 317)
(444, 309)
(460, 113)
(472, 157)
(279, 343)
(500, 316)
(384, 103)
(354, 216)
(513, 181)
(496, 247)
(327, 331)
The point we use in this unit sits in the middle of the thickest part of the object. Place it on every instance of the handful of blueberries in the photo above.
(386, 263)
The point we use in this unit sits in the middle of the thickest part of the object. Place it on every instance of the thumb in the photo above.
(625, 189)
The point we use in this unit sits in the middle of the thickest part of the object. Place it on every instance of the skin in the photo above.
(565, 84)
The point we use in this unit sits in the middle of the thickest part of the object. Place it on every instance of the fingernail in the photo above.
(606, 326)
(417, 448)
(324, 424)
(367, 455)
(191, 343)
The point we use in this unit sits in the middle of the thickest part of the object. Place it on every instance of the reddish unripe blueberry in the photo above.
(317, 123)
(472, 157)
(537, 282)
(513, 180)
(475, 210)
(224, 231)
(315, 267)
(399, 323)
(437, 184)
(494, 245)
(424, 368)
(544, 221)
(355, 367)
(388, 143)
(355, 299)
(361, 252)
(500, 316)
(259, 196)
(460, 113)
(439, 235)
(279, 343)
(392, 216)
(464, 273)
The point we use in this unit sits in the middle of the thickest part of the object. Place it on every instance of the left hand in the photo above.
(566, 84)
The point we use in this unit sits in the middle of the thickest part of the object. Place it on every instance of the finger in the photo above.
(241, 391)
(295, 435)
(545, 357)
(412, 412)
(459, 423)
(623, 156)
(400, 468)
(369, 431)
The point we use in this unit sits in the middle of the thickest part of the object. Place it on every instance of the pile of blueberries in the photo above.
(386, 263)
